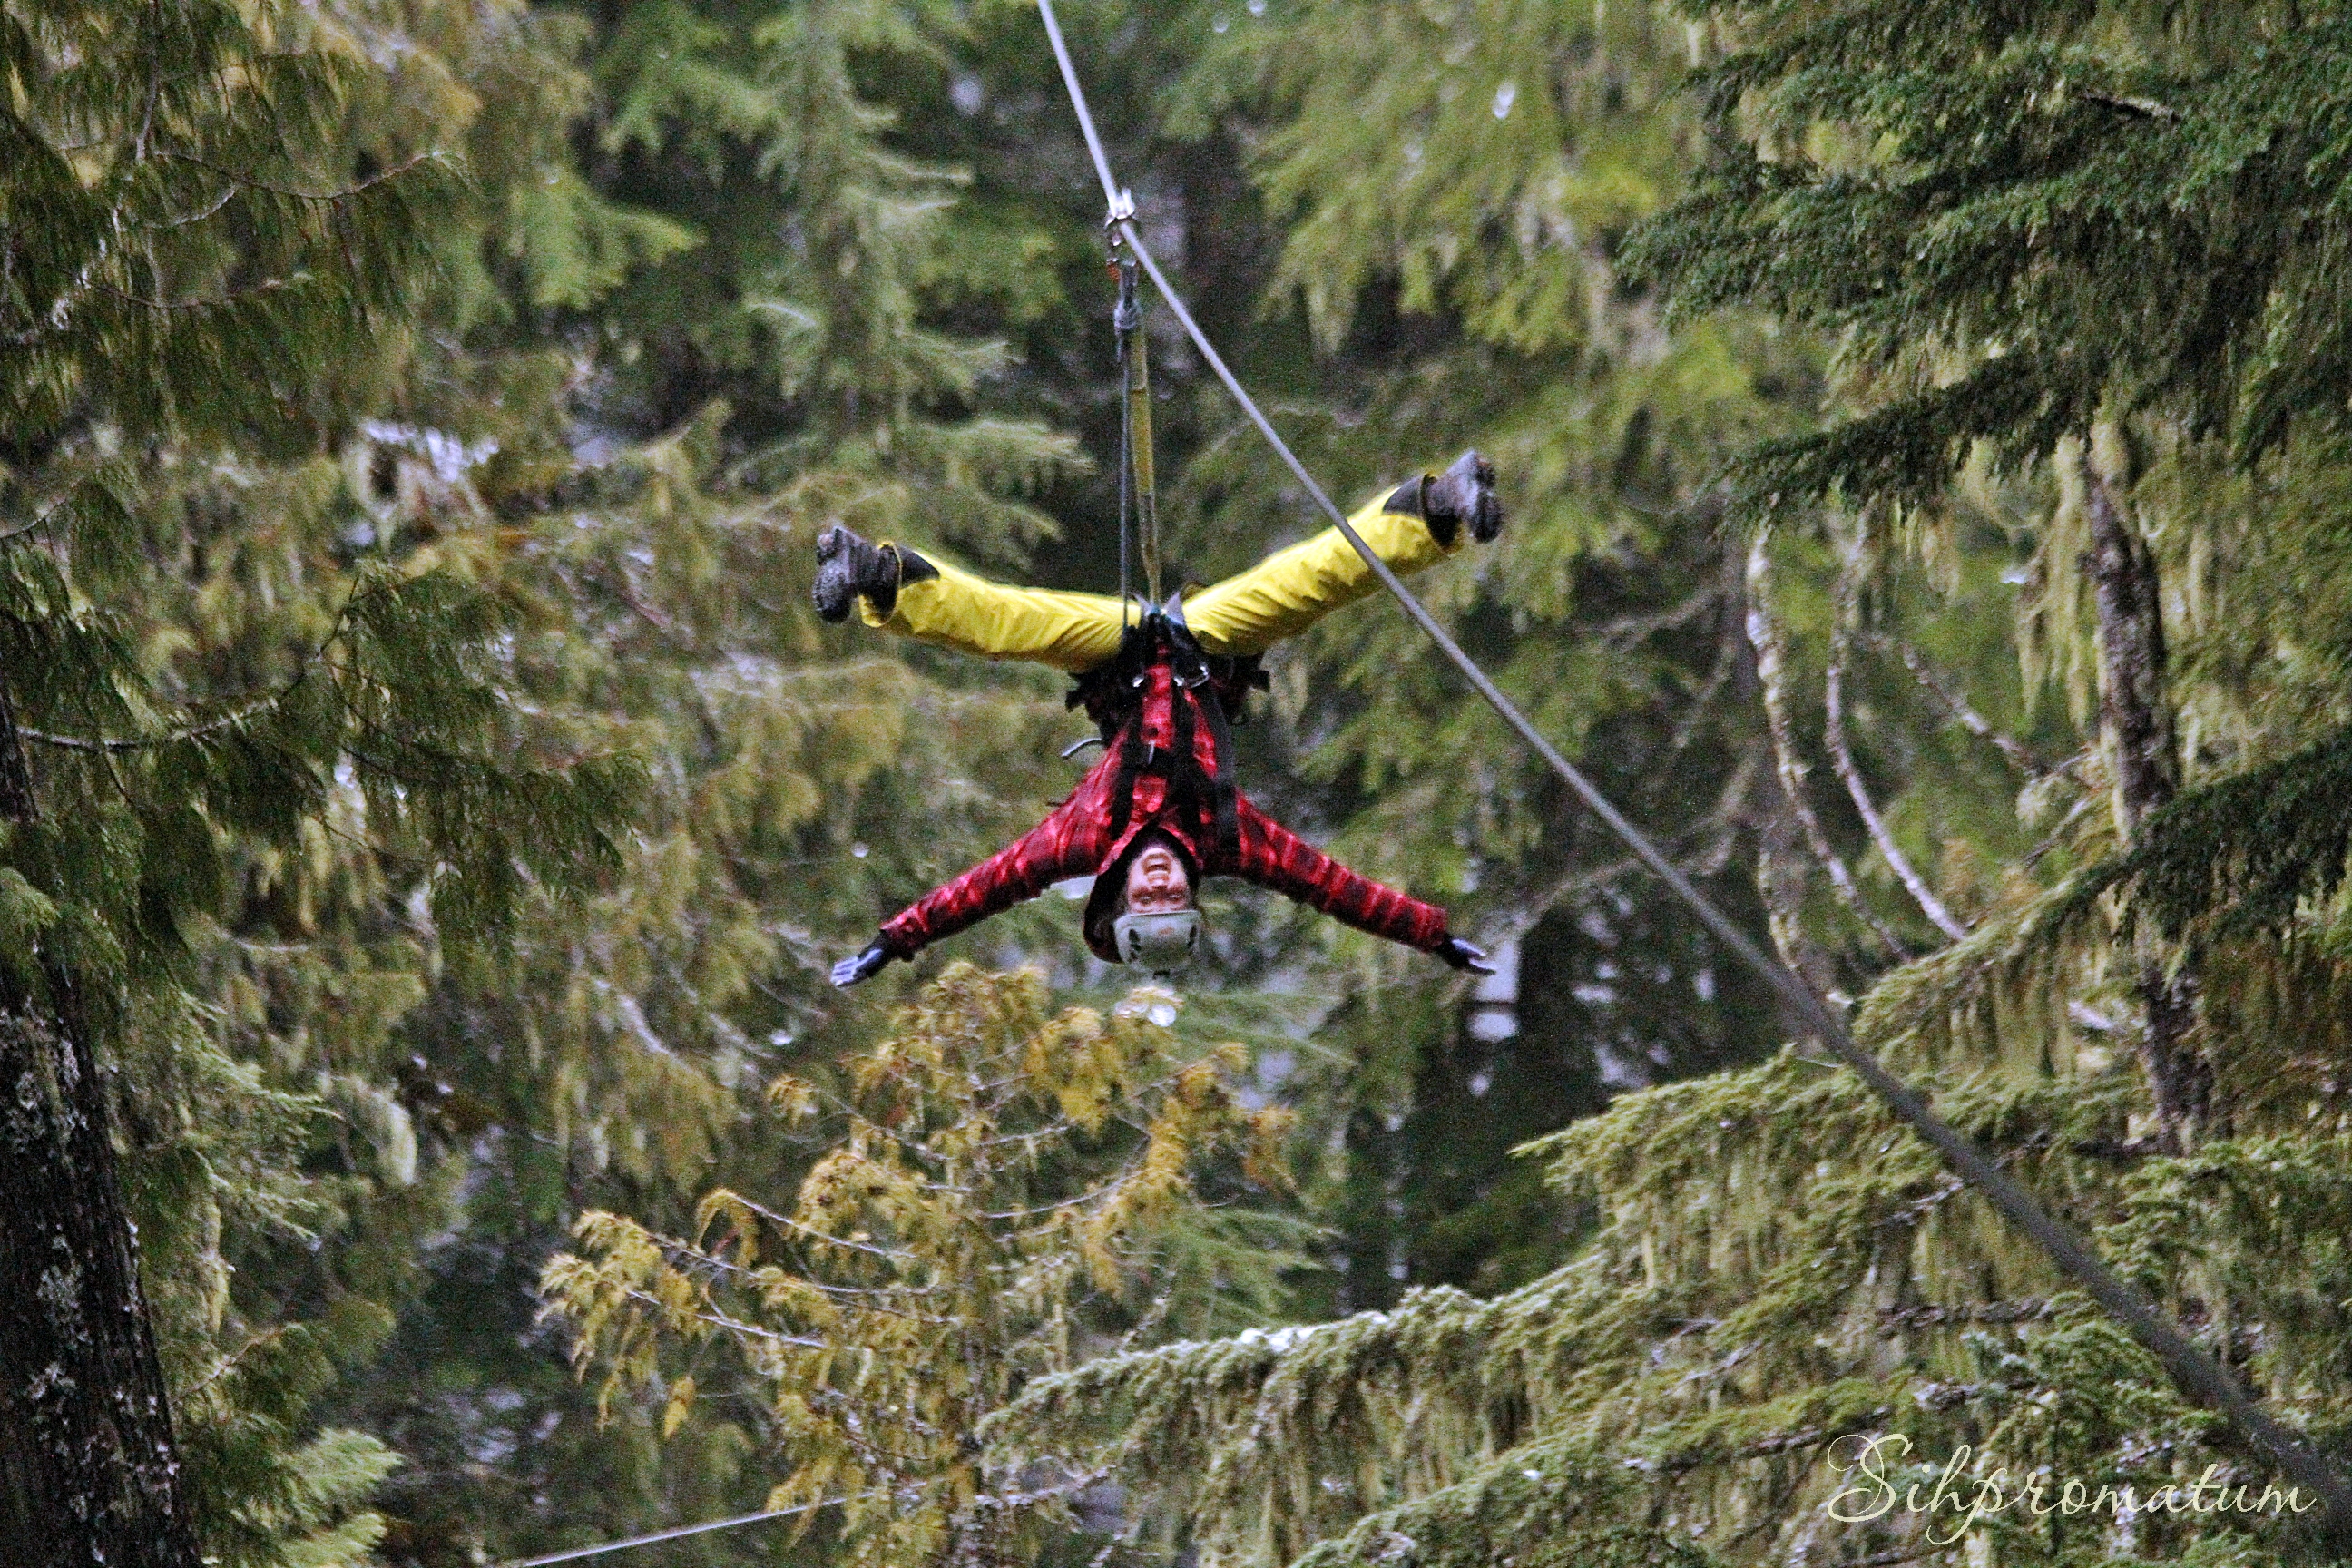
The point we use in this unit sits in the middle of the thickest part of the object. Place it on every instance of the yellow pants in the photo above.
(1280, 596)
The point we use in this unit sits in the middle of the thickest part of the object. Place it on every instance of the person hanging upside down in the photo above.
(1159, 811)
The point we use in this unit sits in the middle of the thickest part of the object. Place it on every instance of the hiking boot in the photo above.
(847, 566)
(1464, 492)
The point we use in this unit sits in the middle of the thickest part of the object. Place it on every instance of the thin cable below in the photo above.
(579, 1553)
(2197, 1374)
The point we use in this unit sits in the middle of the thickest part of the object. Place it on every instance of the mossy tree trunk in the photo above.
(2136, 714)
(90, 1472)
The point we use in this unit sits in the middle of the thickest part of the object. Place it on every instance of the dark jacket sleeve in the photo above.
(1272, 857)
(1064, 845)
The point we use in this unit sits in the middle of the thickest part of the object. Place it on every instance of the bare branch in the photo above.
(1771, 666)
(1954, 703)
(1627, 630)
(1842, 755)
(2139, 107)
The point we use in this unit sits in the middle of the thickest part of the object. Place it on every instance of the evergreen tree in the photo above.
(552, 440)
(2093, 237)
(999, 1188)
(2056, 345)
(181, 214)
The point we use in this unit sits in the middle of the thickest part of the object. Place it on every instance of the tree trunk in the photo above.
(89, 1473)
(2137, 715)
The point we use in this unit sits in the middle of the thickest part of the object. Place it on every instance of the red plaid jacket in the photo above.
(1085, 837)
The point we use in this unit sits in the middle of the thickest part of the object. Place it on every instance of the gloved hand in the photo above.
(1465, 492)
(864, 965)
(1462, 955)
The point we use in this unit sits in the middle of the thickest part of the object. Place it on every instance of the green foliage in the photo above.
(464, 516)
(2252, 847)
(420, 550)
(996, 1190)
(1748, 1302)
(189, 229)
(185, 230)
(2020, 225)
(2018, 220)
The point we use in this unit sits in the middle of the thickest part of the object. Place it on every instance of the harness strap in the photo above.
(1193, 672)
(1132, 756)
(1112, 695)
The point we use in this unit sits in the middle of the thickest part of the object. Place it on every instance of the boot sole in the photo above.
(836, 588)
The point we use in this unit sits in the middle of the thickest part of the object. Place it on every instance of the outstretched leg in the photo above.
(899, 591)
(1414, 526)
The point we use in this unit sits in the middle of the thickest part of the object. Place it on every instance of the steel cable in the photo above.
(2197, 1375)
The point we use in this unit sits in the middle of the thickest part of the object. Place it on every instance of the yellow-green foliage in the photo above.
(1782, 1265)
(998, 1184)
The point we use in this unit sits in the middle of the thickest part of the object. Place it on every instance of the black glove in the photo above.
(1465, 491)
(862, 966)
(1462, 955)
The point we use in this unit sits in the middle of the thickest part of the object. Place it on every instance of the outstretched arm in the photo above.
(1066, 844)
(1272, 857)
(1417, 524)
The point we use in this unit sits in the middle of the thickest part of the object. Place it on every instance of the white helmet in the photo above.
(1161, 942)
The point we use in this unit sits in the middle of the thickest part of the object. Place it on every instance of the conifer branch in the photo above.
(204, 303)
(293, 683)
(320, 199)
(230, 1362)
(1762, 1447)
(228, 194)
(2030, 1309)
(117, 747)
(825, 1238)
(32, 527)
(2057, 835)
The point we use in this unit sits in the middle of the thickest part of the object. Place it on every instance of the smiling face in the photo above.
(1156, 882)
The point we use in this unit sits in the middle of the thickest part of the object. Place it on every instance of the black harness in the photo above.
(1111, 694)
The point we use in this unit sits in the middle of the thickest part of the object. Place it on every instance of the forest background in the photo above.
(432, 793)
